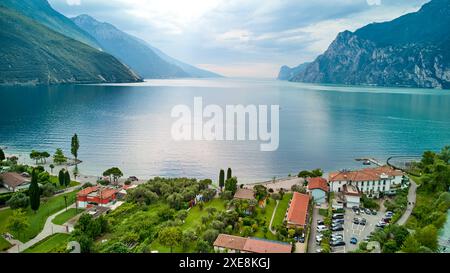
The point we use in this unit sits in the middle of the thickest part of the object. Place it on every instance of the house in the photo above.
(297, 213)
(244, 194)
(370, 181)
(236, 244)
(14, 181)
(96, 195)
(352, 196)
(318, 187)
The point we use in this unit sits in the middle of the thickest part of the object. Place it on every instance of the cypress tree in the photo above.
(67, 178)
(61, 178)
(34, 192)
(75, 145)
(2, 155)
(229, 173)
(221, 179)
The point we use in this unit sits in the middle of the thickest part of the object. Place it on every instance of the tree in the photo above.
(18, 222)
(428, 237)
(61, 178)
(170, 236)
(48, 189)
(59, 157)
(202, 246)
(175, 200)
(304, 174)
(51, 167)
(260, 192)
(444, 155)
(19, 200)
(411, 245)
(35, 155)
(66, 178)
(114, 174)
(221, 179)
(2, 155)
(428, 158)
(189, 237)
(390, 246)
(210, 235)
(44, 156)
(34, 192)
(75, 145)
(231, 185)
(229, 173)
(316, 173)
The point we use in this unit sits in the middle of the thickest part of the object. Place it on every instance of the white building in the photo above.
(370, 181)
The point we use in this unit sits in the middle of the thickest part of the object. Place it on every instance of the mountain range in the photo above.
(31, 53)
(146, 60)
(39, 45)
(410, 51)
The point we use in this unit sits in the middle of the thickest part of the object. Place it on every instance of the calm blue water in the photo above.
(129, 126)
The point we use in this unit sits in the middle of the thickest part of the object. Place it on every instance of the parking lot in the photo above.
(360, 232)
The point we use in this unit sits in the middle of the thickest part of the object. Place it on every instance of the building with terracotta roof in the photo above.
(370, 181)
(236, 244)
(297, 213)
(14, 181)
(318, 187)
(96, 195)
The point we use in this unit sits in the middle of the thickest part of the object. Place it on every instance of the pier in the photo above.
(370, 160)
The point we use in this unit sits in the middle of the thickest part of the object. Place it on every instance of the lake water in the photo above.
(129, 125)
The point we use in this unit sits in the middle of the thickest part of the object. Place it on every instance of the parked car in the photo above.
(353, 241)
(374, 212)
(386, 220)
(368, 211)
(133, 178)
(319, 250)
(338, 216)
(320, 223)
(338, 243)
(356, 221)
(357, 212)
(389, 214)
(381, 224)
(321, 228)
(339, 221)
(363, 222)
(355, 208)
(338, 228)
(301, 240)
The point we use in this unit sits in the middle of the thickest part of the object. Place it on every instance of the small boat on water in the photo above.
(366, 162)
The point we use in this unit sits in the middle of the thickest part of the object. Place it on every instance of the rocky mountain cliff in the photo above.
(410, 51)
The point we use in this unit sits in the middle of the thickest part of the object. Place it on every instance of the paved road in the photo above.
(411, 203)
(312, 245)
(49, 229)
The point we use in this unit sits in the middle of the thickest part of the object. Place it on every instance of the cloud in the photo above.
(236, 34)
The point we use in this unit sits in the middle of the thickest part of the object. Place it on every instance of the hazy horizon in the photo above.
(250, 39)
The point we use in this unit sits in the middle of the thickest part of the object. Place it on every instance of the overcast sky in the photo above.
(239, 38)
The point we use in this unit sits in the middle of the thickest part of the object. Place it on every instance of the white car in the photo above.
(321, 228)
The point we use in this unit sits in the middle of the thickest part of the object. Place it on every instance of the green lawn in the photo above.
(52, 244)
(37, 220)
(54, 180)
(323, 212)
(65, 216)
(195, 214)
(281, 210)
(266, 217)
(4, 245)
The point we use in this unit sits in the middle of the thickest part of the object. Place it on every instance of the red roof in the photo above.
(106, 193)
(368, 174)
(87, 190)
(255, 245)
(252, 245)
(317, 183)
(298, 209)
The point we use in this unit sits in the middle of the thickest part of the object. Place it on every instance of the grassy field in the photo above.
(195, 214)
(66, 216)
(281, 210)
(266, 216)
(4, 245)
(52, 244)
(37, 220)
